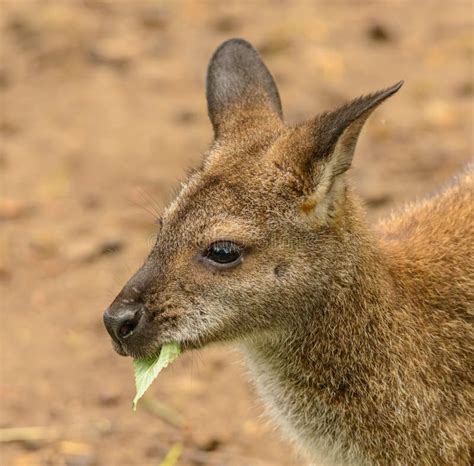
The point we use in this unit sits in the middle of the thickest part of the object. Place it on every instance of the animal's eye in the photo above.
(224, 253)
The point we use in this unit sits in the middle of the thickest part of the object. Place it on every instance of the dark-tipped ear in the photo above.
(325, 147)
(337, 132)
(239, 81)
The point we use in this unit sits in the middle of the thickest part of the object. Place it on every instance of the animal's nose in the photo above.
(121, 323)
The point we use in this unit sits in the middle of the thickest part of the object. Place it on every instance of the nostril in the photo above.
(128, 326)
(122, 322)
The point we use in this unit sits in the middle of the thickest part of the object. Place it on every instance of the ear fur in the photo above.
(238, 80)
(335, 137)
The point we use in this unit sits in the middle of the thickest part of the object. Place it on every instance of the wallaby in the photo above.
(359, 342)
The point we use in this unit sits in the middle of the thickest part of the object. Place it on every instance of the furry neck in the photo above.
(315, 374)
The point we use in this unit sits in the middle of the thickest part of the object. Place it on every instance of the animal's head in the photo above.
(260, 226)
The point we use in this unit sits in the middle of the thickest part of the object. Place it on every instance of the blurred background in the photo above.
(102, 112)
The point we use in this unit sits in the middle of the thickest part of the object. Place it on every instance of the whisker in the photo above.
(196, 363)
(148, 198)
(142, 205)
(153, 201)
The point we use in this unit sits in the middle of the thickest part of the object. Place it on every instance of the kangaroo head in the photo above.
(256, 229)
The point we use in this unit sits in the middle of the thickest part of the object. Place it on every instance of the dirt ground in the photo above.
(102, 112)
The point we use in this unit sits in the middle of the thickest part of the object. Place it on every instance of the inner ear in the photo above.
(239, 85)
(330, 139)
(320, 151)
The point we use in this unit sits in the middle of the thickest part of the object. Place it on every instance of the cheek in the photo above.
(257, 280)
(280, 270)
(248, 284)
(278, 282)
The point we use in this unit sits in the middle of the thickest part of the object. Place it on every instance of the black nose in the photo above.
(121, 323)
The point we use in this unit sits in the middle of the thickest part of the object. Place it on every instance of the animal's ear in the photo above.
(323, 148)
(239, 88)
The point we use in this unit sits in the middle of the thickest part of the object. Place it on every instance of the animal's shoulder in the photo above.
(443, 219)
(429, 248)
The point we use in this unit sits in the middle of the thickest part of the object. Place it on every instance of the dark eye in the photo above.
(224, 253)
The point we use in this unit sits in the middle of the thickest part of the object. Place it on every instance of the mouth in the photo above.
(122, 349)
(119, 349)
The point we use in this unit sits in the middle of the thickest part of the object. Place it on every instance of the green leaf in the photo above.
(147, 369)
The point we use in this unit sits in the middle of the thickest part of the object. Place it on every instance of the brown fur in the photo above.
(359, 342)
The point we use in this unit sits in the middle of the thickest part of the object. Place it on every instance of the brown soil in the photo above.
(102, 112)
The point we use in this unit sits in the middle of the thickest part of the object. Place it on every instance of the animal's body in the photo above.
(391, 381)
(360, 342)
